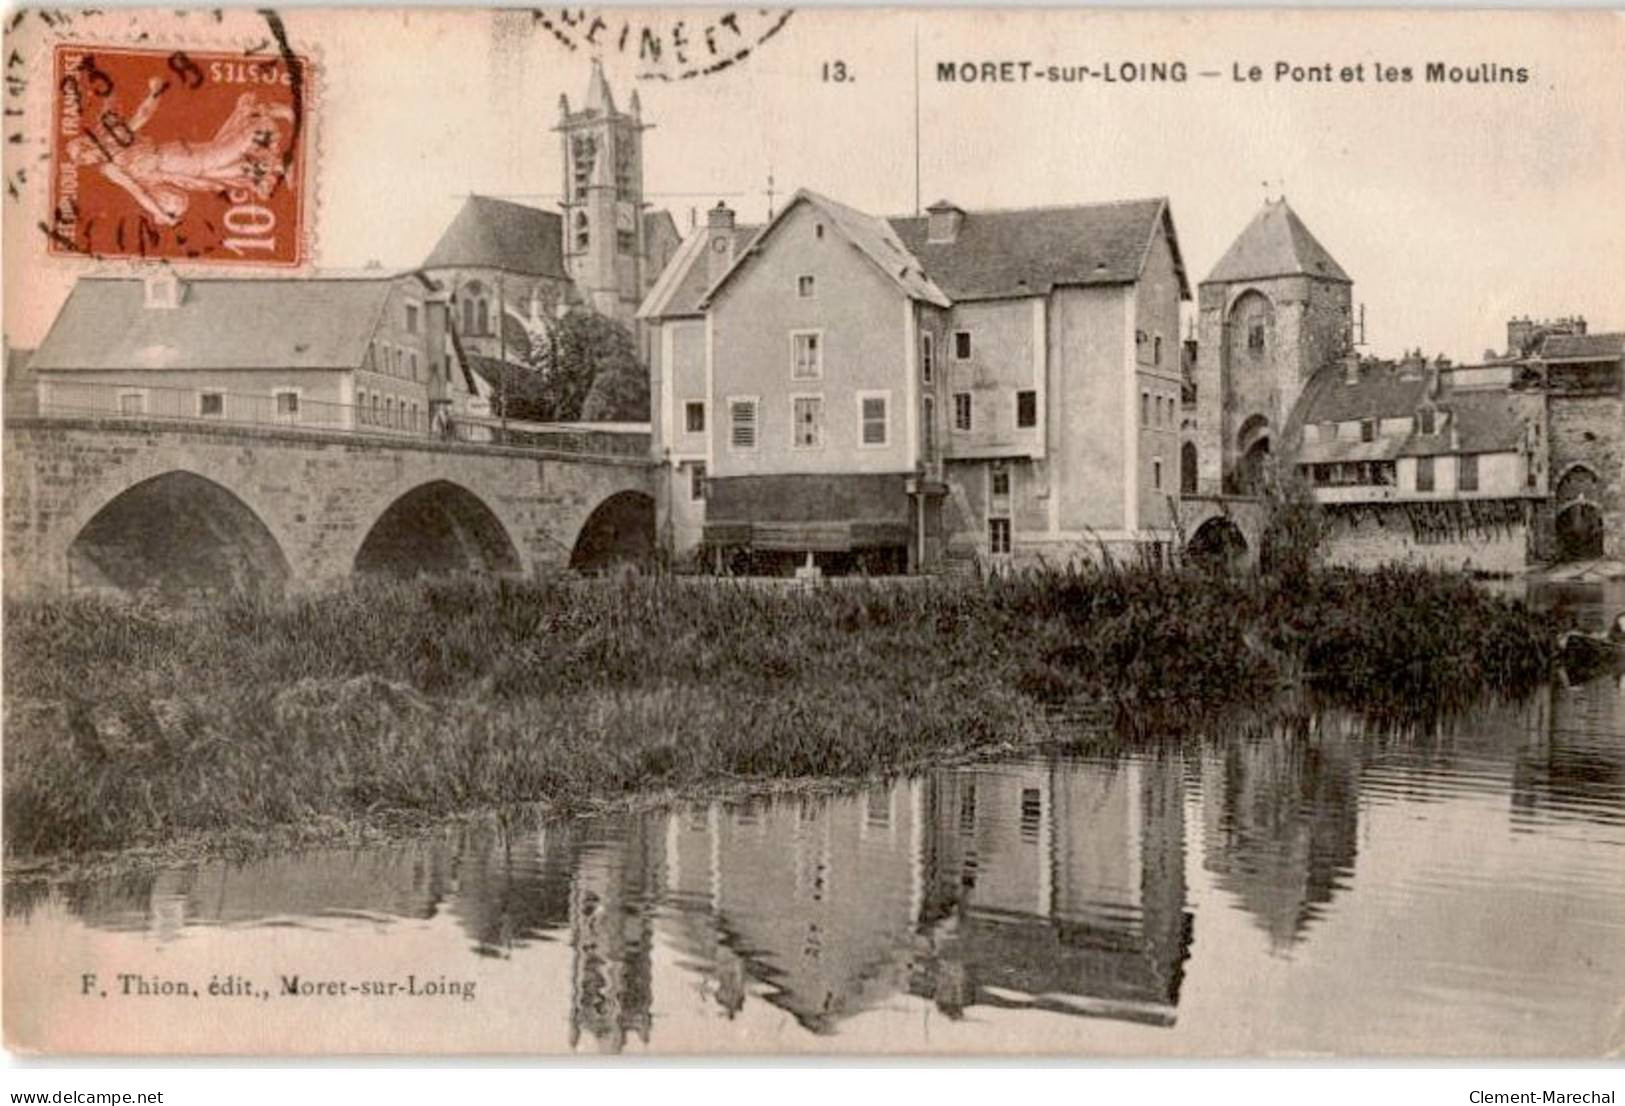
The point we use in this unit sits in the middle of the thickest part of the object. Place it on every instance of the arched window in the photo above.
(1187, 469)
(583, 237)
(1252, 319)
(484, 318)
(475, 307)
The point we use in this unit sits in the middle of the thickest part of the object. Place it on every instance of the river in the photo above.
(1340, 888)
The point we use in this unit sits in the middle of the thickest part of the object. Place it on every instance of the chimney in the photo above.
(719, 245)
(1519, 333)
(1351, 367)
(943, 221)
(1580, 325)
(161, 289)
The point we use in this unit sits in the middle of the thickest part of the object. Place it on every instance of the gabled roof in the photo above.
(873, 236)
(1276, 243)
(495, 234)
(318, 322)
(683, 285)
(1583, 347)
(1029, 251)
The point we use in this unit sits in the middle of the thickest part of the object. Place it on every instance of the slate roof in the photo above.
(873, 236)
(1383, 392)
(495, 234)
(1029, 251)
(1487, 420)
(1583, 347)
(1333, 450)
(683, 285)
(1001, 253)
(1480, 420)
(1276, 243)
(319, 322)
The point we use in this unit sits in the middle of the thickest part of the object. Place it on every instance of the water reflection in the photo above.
(1281, 825)
(1058, 885)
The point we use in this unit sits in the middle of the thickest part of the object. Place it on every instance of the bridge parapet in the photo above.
(287, 410)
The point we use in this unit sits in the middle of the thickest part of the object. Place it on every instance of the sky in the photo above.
(1451, 206)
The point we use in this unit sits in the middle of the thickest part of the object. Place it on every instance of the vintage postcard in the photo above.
(973, 531)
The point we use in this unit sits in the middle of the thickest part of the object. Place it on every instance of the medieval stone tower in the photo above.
(1274, 309)
(603, 229)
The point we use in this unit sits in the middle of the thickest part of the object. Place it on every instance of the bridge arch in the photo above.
(1579, 531)
(1218, 543)
(620, 530)
(437, 528)
(180, 534)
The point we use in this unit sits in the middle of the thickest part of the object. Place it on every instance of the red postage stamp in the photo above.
(181, 155)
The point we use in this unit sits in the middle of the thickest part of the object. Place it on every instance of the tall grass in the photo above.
(131, 725)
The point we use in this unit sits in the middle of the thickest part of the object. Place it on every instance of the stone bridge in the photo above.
(131, 504)
(1228, 527)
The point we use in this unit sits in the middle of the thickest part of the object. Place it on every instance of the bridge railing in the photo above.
(290, 408)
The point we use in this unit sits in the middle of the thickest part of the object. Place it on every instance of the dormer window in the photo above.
(1425, 416)
(1368, 430)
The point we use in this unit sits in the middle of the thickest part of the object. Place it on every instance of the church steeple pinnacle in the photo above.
(599, 98)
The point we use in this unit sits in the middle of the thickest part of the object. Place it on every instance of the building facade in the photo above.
(1581, 378)
(363, 351)
(912, 393)
(1424, 463)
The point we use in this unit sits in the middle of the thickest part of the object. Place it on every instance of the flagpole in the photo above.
(916, 119)
(502, 353)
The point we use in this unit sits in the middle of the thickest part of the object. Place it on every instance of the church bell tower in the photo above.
(603, 199)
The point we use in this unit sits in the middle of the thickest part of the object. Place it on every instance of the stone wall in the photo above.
(1588, 431)
(1372, 539)
(319, 494)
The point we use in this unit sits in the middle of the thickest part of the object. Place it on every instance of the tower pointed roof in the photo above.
(1276, 243)
(599, 98)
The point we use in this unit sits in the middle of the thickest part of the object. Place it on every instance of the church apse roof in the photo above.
(489, 233)
(1276, 243)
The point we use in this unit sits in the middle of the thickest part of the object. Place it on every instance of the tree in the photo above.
(1295, 525)
(580, 350)
(617, 396)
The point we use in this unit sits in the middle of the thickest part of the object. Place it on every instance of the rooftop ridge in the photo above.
(1017, 210)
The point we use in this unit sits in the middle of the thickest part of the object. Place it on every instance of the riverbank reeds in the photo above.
(132, 725)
